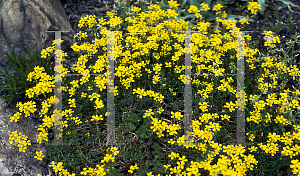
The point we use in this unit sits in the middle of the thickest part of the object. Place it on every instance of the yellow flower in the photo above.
(40, 155)
(176, 115)
(97, 117)
(173, 4)
(133, 168)
(107, 158)
(295, 166)
(15, 117)
(253, 149)
(204, 7)
(217, 7)
(168, 64)
(253, 6)
(156, 78)
(110, 14)
(203, 106)
(193, 9)
(136, 9)
(231, 106)
(244, 20)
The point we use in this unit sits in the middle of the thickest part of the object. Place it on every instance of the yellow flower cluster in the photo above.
(97, 117)
(107, 158)
(253, 6)
(295, 166)
(158, 126)
(97, 171)
(244, 20)
(293, 71)
(59, 168)
(219, 43)
(225, 86)
(46, 52)
(39, 156)
(45, 86)
(157, 97)
(176, 115)
(15, 117)
(132, 168)
(251, 137)
(114, 150)
(217, 7)
(136, 9)
(80, 35)
(173, 4)
(172, 129)
(222, 166)
(271, 148)
(76, 119)
(203, 106)
(204, 7)
(270, 38)
(21, 141)
(207, 90)
(194, 9)
(88, 21)
(282, 120)
(47, 122)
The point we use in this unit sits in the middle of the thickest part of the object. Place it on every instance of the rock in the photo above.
(3, 170)
(83, 2)
(83, 15)
(23, 25)
(100, 4)
(99, 13)
(104, 9)
(90, 7)
(13, 162)
(231, 2)
(82, 9)
(68, 11)
(92, 3)
(283, 31)
(283, 6)
(91, 12)
(74, 18)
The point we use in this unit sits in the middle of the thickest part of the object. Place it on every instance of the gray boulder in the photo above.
(23, 26)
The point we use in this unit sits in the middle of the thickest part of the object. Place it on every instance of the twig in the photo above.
(166, 120)
(167, 105)
(134, 135)
(291, 9)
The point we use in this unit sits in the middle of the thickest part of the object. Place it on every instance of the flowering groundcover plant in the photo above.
(148, 75)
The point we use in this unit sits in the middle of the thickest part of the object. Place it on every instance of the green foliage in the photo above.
(17, 83)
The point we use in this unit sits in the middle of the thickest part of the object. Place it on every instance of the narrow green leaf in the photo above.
(208, 2)
(287, 2)
(183, 3)
(186, 13)
(262, 6)
(195, 3)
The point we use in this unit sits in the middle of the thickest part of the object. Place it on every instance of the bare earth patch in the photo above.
(13, 162)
